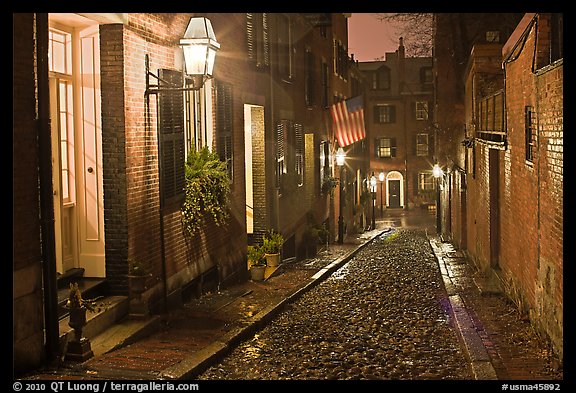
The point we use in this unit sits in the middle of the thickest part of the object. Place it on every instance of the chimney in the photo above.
(401, 56)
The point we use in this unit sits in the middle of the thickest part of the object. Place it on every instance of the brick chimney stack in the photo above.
(401, 55)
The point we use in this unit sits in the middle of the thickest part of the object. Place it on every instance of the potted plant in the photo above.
(137, 278)
(272, 244)
(256, 262)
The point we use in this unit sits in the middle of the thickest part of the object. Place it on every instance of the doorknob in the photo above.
(90, 169)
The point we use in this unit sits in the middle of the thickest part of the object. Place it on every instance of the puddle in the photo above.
(340, 273)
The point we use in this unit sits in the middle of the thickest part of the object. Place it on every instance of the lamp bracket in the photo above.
(197, 81)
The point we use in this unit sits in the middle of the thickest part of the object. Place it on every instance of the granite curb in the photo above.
(480, 361)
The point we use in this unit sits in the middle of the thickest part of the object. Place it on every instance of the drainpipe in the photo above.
(46, 192)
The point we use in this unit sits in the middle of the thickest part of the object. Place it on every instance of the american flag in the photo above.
(348, 120)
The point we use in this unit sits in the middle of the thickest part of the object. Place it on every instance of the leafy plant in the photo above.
(207, 190)
(272, 242)
(329, 183)
(256, 255)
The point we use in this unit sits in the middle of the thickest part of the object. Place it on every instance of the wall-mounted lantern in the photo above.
(199, 46)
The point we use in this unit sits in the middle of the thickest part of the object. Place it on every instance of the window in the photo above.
(285, 45)
(289, 151)
(493, 36)
(556, 37)
(384, 113)
(426, 75)
(340, 60)
(198, 122)
(257, 39)
(422, 145)
(171, 130)
(426, 181)
(224, 145)
(60, 52)
(325, 84)
(385, 147)
(381, 79)
(310, 80)
(421, 110)
(60, 67)
(530, 135)
(66, 126)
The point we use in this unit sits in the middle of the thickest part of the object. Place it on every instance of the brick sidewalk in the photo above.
(516, 351)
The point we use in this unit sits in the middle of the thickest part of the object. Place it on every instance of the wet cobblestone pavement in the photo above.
(384, 315)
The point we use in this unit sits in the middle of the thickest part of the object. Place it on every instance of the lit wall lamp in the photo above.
(437, 172)
(373, 191)
(199, 46)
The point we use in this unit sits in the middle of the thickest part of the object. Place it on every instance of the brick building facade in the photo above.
(503, 199)
(399, 97)
(265, 112)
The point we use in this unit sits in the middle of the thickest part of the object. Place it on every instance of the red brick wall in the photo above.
(532, 215)
(130, 142)
(549, 290)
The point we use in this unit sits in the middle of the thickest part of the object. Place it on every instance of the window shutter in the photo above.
(299, 149)
(224, 142)
(393, 147)
(257, 40)
(376, 114)
(392, 113)
(280, 151)
(265, 41)
(171, 137)
(250, 36)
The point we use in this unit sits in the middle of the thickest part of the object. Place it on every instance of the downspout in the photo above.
(148, 123)
(46, 192)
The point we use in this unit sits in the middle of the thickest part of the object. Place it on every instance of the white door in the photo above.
(77, 155)
(89, 164)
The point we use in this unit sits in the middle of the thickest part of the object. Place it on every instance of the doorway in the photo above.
(254, 171)
(394, 190)
(74, 84)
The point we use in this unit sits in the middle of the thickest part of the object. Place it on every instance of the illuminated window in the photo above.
(385, 147)
(60, 52)
(426, 181)
(421, 110)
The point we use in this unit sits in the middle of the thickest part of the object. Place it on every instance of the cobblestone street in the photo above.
(384, 315)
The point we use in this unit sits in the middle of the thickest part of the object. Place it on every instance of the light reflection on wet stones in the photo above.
(382, 316)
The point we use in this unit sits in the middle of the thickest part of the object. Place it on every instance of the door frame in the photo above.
(86, 223)
(394, 176)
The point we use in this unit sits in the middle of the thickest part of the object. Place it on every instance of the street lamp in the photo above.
(381, 178)
(199, 46)
(373, 191)
(340, 159)
(437, 172)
